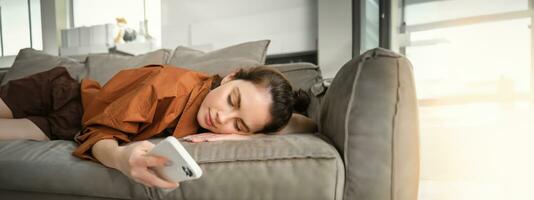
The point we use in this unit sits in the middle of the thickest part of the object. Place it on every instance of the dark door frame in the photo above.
(358, 13)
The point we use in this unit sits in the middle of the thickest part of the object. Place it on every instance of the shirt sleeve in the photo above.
(120, 109)
(91, 136)
(123, 118)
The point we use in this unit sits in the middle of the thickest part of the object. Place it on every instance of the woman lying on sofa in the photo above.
(151, 101)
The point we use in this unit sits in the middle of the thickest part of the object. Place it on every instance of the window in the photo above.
(134, 11)
(20, 26)
(473, 71)
(425, 11)
(472, 60)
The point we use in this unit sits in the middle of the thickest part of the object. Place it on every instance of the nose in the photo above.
(222, 117)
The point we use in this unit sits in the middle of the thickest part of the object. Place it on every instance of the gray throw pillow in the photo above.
(301, 75)
(30, 61)
(221, 61)
(102, 67)
(305, 76)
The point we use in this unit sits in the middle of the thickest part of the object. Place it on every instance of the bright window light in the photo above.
(476, 110)
(473, 60)
(426, 11)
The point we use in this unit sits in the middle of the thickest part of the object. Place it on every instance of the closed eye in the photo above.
(229, 100)
(236, 126)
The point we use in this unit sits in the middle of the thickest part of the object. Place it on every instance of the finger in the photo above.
(232, 137)
(146, 145)
(188, 140)
(192, 137)
(143, 182)
(154, 161)
(199, 135)
(200, 139)
(154, 180)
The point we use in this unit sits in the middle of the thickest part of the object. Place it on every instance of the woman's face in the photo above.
(235, 107)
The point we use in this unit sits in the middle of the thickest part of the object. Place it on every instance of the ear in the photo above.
(228, 77)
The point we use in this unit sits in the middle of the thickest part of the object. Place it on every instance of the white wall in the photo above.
(54, 17)
(212, 24)
(335, 35)
(49, 28)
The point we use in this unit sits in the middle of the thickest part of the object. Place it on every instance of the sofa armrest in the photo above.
(370, 114)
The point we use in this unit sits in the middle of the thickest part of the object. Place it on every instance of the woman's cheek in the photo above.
(223, 130)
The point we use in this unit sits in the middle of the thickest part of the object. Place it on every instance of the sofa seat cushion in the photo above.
(297, 166)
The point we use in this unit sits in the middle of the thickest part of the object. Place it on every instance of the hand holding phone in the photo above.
(181, 165)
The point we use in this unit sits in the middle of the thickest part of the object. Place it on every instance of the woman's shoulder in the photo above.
(181, 68)
(183, 72)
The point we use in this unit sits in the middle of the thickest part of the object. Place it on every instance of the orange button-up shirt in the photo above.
(137, 104)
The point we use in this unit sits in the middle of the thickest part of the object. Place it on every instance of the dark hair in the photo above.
(285, 100)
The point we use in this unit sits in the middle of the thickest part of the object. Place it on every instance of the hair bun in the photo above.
(301, 101)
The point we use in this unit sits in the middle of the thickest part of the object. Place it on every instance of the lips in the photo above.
(208, 119)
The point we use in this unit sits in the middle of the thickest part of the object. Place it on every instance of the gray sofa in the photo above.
(366, 148)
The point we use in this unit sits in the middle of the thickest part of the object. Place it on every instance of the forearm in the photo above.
(107, 151)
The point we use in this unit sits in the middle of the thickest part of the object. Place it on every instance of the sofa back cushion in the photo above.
(30, 61)
(221, 61)
(370, 114)
(301, 75)
(102, 67)
(305, 76)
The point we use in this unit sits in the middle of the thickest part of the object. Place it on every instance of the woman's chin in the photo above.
(207, 128)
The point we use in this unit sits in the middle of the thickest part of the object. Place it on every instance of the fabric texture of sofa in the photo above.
(366, 147)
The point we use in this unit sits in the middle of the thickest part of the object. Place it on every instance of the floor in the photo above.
(477, 151)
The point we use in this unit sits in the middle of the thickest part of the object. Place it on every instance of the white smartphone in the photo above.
(182, 166)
